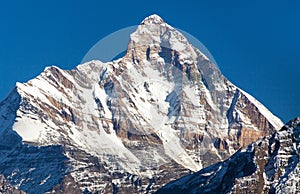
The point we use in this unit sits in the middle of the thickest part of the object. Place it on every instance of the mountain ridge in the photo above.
(270, 165)
(162, 108)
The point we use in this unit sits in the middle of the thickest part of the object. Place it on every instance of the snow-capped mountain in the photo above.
(133, 124)
(270, 165)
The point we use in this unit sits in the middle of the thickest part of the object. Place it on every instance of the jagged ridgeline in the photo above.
(270, 165)
(130, 125)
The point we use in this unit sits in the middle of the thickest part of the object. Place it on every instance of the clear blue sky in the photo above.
(256, 44)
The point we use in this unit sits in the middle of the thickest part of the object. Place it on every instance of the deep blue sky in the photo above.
(256, 44)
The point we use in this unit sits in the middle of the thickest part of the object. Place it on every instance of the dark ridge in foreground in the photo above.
(270, 165)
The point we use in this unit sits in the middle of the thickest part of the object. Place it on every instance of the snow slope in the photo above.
(162, 110)
(270, 165)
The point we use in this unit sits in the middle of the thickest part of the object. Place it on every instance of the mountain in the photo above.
(130, 125)
(270, 165)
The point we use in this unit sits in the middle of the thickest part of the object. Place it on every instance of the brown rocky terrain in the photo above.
(270, 165)
(6, 188)
(158, 113)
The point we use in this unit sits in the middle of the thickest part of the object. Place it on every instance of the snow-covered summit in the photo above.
(160, 111)
(153, 19)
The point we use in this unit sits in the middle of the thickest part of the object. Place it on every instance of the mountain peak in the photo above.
(162, 110)
(153, 19)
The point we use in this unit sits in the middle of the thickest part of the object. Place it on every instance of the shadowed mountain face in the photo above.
(130, 125)
(270, 165)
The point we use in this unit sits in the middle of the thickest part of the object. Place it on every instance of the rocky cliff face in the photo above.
(158, 113)
(6, 188)
(270, 165)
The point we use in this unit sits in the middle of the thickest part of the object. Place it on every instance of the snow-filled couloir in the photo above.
(161, 110)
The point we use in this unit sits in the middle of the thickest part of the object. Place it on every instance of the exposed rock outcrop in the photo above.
(159, 112)
(270, 165)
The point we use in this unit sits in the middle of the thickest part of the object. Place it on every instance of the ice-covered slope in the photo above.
(270, 165)
(160, 111)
